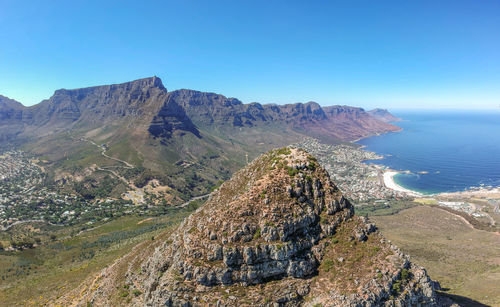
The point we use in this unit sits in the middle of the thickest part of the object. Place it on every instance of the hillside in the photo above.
(383, 115)
(279, 232)
(11, 113)
(187, 140)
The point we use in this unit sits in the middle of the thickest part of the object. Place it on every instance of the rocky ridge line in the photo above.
(278, 233)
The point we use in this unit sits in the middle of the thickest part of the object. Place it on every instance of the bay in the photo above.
(444, 151)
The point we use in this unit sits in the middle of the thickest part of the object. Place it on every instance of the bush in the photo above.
(136, 292)
(327, 265)
(256, 235)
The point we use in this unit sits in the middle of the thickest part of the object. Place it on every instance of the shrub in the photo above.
(256, 235)
(136, 292)
(405, 275)
(327, 265)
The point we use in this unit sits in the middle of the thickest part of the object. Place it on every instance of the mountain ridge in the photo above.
(66, 107)
(278, 232)
(172, 136)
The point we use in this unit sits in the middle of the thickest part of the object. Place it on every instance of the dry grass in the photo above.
(464, 260)
(347, 260)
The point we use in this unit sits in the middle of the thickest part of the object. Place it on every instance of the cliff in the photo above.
(210, 110)
(146, 102)
(278, 233)
(155, 130)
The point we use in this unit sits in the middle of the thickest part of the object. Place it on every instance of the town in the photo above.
(360, 182)
(26, 196)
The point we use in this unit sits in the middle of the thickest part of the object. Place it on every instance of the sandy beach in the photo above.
(391, 184)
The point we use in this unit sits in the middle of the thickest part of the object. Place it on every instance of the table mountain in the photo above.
(278, 233)
(172, 136)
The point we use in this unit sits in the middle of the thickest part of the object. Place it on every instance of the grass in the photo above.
(426, 201)
(464, 260)
(346, 260)
(51, 270)
(380, 209)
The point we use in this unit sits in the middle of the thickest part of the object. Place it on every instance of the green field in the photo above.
(40, 275)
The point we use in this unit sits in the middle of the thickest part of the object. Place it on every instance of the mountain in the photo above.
(11, 113)
(383, 115)
(278, 233)
(189, 140)
(333, 123)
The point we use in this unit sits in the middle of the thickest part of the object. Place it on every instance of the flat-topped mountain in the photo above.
(278, 233)
(170, 136)
(147, 100)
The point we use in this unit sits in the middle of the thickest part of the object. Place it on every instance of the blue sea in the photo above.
(457, 150)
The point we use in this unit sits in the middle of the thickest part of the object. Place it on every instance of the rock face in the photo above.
(334, 122)
(383, 115)
(279, 232)
(170, 118)
(11, 114)
(94, 106)
(146, 103)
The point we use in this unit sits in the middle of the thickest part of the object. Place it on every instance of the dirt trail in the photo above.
(192, 199)
(466, 222)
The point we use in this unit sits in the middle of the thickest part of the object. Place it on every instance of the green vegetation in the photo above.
(291, 171)
(256, 235)
(136, 292)
(67, 255)
(387, 207)
(90, 188)
(283, 151)
(399, 284)
(327, 265)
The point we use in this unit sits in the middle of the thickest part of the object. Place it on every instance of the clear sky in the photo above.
(394, 54)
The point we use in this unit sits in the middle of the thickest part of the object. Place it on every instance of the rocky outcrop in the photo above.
(279, 232)
(171, 118)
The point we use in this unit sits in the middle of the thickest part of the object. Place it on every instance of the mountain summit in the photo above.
(279, 232)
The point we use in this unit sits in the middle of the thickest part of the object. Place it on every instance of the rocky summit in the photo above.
(279, 233)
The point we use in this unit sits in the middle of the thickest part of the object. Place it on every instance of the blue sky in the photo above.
(394, 54)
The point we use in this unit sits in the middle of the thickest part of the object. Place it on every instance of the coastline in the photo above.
(390, 183)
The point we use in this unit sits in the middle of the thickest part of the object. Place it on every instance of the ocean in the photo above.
(444, 151)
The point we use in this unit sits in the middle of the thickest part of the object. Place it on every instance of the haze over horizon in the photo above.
(383, 54)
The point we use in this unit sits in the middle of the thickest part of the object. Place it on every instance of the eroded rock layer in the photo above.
(279, 232)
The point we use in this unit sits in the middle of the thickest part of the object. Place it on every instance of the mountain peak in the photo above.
(383, 115)
(274, 233)
(150, 82)
(6, 102)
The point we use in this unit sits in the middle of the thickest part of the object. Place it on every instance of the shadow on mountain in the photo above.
(462, 300)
